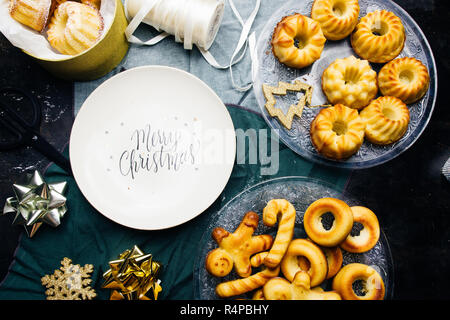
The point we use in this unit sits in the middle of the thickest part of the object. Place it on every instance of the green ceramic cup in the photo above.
(97, 61)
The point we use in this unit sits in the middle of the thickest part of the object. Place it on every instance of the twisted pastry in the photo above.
(285, 228)
(342, 224)
(373, 285)
(240, 286)
(258, 259)
(318, 266)
(236, 248)
(368, 236)
(386, 120)
(379, 37)
(299, 289)
(404, 78)
(309, 36)
(337, 18)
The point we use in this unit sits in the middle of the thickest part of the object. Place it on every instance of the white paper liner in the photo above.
(36, 43)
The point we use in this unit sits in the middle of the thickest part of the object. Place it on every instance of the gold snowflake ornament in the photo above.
(69, 282)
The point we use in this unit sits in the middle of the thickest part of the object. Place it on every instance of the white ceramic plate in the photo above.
(152, 147)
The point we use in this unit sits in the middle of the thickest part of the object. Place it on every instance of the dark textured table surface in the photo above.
(409, 194)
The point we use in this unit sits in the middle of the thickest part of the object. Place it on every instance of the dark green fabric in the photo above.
(87, 237)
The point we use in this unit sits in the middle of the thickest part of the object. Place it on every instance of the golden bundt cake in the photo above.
(74, 28)
(337, 132)
(404, 78)
(350, 82)
(337, 18)
(379, 36)
(386, 120)
(32, 13)
(301, 29)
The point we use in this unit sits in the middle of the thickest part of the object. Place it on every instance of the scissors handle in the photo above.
(50, 152)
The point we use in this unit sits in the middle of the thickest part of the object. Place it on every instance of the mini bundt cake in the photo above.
(297, 41)
(379, 36)
(74, 28)
(337, 132)
(404, 78)
(337, 18)
(350, 82)
(32, 13)
(386, 120)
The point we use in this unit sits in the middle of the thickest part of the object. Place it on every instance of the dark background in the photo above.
(409, 194)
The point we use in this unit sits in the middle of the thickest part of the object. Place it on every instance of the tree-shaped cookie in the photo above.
(294, 109)
(299, 289)
(236, 248)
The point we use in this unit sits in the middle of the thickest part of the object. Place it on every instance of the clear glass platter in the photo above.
(301, 192)
(270, 71)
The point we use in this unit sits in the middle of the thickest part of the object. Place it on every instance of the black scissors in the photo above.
(27, 132)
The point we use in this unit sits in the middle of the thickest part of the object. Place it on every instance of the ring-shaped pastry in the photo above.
(316, 258)
(404, 78)
(337, 18)
(373, 285)
(368, 236)
(334, 260)
(342, 224)
(297, 41)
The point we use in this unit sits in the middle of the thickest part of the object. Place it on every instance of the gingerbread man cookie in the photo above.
(236, 248)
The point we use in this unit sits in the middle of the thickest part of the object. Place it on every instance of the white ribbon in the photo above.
(185, 16)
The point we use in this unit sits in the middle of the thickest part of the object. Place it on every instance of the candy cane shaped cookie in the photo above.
(240, 286)
(258, 259)
(285, 228)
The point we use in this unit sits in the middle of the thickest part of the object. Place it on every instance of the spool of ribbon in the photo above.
(193, 22)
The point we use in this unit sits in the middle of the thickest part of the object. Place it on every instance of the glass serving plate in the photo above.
(270, 71)
(301, 192)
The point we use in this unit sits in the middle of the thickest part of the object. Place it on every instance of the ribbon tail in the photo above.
(241, 46)
(137, 20)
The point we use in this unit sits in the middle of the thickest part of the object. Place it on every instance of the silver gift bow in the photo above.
(37, 202)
